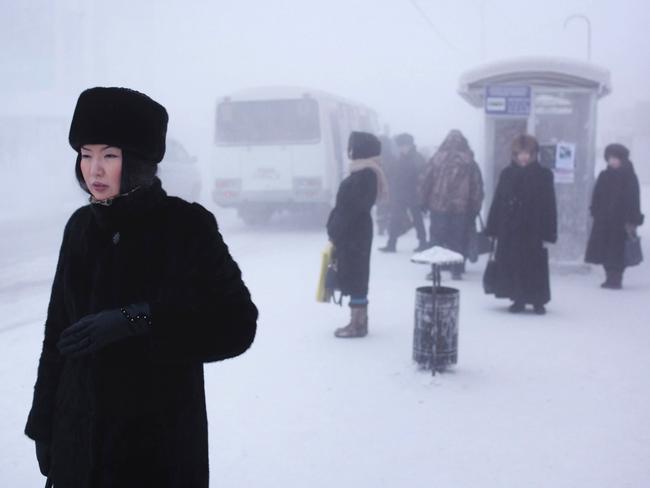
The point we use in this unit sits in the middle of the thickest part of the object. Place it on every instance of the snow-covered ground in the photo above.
(555, 401)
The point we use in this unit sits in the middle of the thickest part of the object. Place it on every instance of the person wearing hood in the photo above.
(452, 192)
(145, 292)
(404, 205)
(350, 227)
(616, 210)
(523, 217)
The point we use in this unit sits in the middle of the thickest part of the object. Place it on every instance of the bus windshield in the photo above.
(268, 122)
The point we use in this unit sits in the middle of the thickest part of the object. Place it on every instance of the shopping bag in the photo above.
(321, 290)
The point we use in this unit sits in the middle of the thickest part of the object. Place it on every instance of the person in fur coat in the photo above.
(523, 217)
(616, 210)
(350, 227)
(145, 292)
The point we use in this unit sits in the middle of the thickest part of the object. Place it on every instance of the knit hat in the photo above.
(617, 151)
(363, 145)
(120, 117)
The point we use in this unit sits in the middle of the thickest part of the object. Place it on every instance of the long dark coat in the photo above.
(403, 179)
(615, 202)
(134, 414)
(523, 216)
(350, 229)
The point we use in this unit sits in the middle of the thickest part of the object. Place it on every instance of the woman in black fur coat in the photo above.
(145, 292)
(616, 209)
(350, 227)
(523, 217)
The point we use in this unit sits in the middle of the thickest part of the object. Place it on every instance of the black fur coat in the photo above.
(134, 414)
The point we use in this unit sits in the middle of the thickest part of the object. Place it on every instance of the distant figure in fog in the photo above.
(523, 216)
(616, 209)
(145, 293)
(452, 192)
(350, 227)
(403, 180)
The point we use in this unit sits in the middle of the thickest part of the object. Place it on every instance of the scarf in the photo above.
(357, 165)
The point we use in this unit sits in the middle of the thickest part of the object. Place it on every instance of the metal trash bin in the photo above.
(435, 335)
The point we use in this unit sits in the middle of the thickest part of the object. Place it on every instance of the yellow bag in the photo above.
(322, 294)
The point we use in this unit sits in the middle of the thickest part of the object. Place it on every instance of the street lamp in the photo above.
(588, 22)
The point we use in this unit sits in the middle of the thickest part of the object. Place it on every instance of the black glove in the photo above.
(96, 331)
(43, 457)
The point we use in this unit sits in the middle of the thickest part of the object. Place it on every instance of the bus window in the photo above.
(268, 122)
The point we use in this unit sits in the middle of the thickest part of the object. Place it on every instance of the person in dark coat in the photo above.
(452, 192)
(350, 227)
(616, 210)
(403, 180)
(145, 292)
(523, 216)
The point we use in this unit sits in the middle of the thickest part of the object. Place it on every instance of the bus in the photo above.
(283, 149)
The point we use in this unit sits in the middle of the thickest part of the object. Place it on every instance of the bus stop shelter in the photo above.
(555, 100)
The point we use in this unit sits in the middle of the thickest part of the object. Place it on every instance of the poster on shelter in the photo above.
(565, 162)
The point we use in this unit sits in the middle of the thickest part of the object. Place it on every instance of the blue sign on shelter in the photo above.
(513, 100)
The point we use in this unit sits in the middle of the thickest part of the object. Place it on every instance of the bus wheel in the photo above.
(255, 216)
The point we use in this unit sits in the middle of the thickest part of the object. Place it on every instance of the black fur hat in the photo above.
(617, 151)
(120, 117)
(363, 145)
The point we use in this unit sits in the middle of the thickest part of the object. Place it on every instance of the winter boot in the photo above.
(614, 280)
(358, 326)
(517, 307)
(539, 309)
(423, 246)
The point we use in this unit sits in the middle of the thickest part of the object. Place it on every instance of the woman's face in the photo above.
(613, 162)
(101, 167)
(523, 158)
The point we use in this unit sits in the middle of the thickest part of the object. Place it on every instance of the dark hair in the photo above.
(525, 143)
(135, 172)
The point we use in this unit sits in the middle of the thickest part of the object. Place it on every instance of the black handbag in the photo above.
(490, 274)
(633, 254)
(479, 242)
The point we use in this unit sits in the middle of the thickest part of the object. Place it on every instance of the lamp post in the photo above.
(588, 22)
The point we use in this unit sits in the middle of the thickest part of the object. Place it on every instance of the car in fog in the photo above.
(179, 172)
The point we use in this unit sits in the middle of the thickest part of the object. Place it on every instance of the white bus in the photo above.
(283, 149)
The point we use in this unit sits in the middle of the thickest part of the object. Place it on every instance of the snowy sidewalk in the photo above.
(560, 400)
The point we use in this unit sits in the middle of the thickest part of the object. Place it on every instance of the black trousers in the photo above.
(399, 214)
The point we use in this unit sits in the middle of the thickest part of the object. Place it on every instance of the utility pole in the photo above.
(588, 22)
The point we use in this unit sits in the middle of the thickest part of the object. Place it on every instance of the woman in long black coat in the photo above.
(145, 292)
(350, 227)
(616, 209)
(523, 217)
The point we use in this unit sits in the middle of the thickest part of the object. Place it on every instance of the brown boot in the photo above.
(358, 326)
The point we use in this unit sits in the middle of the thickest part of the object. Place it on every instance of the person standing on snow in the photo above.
(452, 192)
(616, 210)
(403, 181)
(145, 292)
(350, 227)
(523, 216)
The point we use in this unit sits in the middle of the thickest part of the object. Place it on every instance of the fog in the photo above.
(402, 61)
(561, 401)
